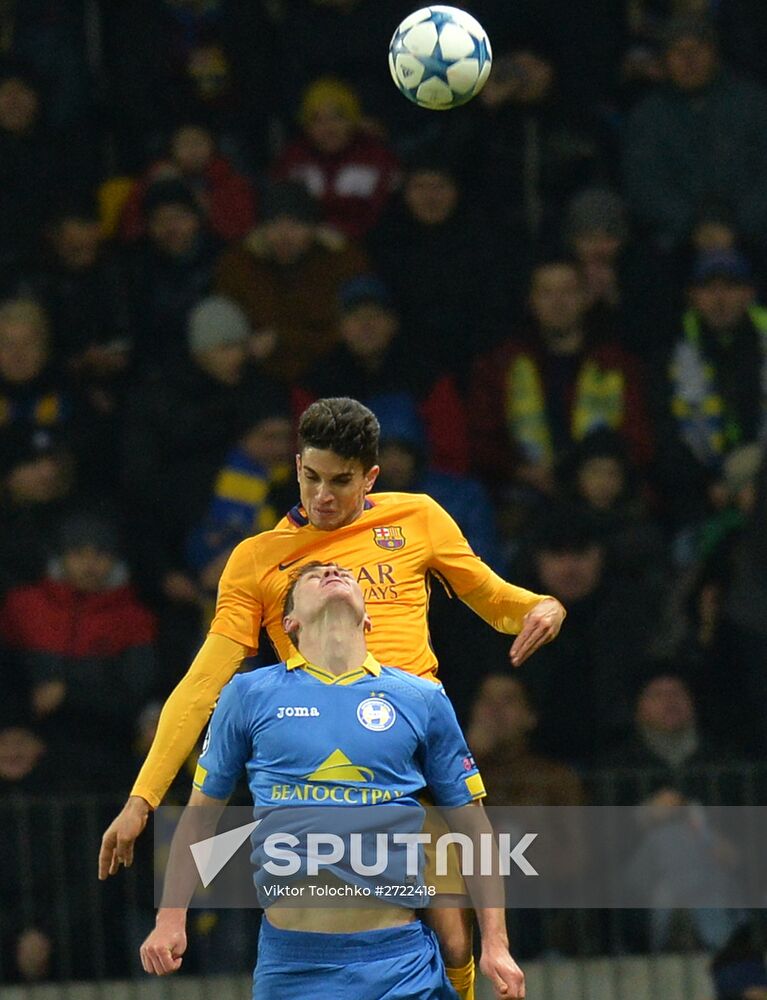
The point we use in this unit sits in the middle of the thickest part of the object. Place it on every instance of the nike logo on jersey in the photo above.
(287, 565)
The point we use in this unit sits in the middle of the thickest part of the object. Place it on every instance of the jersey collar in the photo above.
(370, 664)
(298, 517)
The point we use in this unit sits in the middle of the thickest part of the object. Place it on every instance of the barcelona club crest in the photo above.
(389, 538)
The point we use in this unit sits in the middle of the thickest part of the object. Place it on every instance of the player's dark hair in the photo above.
(343, 426)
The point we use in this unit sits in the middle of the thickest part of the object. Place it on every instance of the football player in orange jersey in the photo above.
(392, 542)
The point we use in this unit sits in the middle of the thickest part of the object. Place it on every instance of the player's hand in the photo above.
(541, 625)
(122, 833)
(506, 977)
(161, 952)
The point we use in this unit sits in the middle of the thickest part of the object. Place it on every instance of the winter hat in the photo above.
(596, 209)
(86, 529)
(291, 199)
(329, 90)
(216, 322)
(169, 192)
(364, 289)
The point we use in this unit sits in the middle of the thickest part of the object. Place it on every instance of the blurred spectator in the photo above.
(739, 970)
(27, 167)
(610, 622)
(713, 398)
(168, 60)
(50, 38)
(529, 150)
(745, 610)
(375, 363)
(535, 396)
(598, 479)
(285, 275)
(405, 470)
(83, 291)
(596, 231)
(37, 483)
(34, 393)
(226, 197)
(350, 172)
(86, 644)
(500, 733)
(699, 636)
(702, 135)
(435, 252)
(253, 489)
(46, 921)
(675, 764)
(178, 431)
(335, 38)
(26, 769)
(624, 289)
(666, 739)
(170, 270)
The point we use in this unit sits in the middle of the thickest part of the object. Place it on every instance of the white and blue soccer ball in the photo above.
(440, 57)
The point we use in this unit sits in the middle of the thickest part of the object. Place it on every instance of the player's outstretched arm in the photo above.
(487, 896)
(183, 716)
(120, 836)
(162, 951)
(534, 618)
(539, 626)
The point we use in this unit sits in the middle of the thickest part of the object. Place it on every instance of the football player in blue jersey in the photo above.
(332, 726)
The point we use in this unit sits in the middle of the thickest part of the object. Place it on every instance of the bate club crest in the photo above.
(389, 538)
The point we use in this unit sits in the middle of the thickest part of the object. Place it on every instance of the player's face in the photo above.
(332, 488)
(323, 586)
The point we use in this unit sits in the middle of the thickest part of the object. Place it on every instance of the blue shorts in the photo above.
(398, 963)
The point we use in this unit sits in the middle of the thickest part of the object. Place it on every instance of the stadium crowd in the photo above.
(213, 213)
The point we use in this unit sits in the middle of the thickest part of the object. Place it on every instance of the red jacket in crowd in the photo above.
(352, 186)
(53, 617)
(226, 196)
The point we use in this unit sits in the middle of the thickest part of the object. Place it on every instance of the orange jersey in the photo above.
(397, 541)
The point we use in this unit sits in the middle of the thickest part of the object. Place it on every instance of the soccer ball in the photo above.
(440, 57)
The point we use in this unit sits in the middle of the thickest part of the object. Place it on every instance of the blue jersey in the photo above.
(372, 736)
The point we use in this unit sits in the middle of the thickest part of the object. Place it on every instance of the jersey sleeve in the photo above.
(239, 606)
(502, 605)
(185, 713)
(226, 747)
(448, 766)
